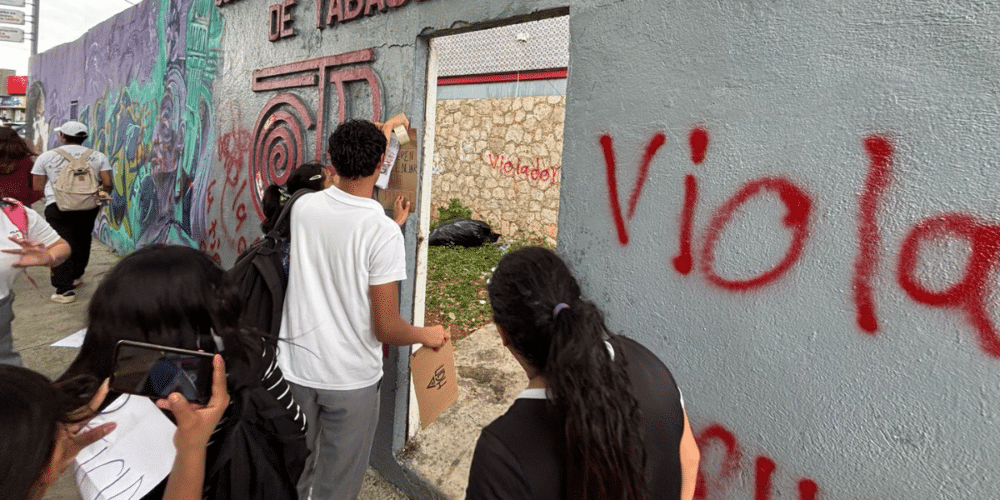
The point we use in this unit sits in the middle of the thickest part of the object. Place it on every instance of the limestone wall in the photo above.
(502, 158)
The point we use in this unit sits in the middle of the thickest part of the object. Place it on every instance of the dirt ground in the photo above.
(489, 379)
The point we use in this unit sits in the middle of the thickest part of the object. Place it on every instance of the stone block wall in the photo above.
(502, 158)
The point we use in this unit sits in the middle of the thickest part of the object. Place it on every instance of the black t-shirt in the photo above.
(519, 455)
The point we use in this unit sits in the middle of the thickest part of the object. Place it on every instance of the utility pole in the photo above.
(34, 27)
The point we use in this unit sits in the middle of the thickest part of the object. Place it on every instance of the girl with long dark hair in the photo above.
(16, 160)
(43, 428)
(602, 417)
(177, 296)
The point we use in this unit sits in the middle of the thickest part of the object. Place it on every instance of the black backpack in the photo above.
(261, 450)
(260, 277)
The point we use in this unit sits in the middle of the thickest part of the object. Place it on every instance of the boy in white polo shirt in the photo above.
(342, 303)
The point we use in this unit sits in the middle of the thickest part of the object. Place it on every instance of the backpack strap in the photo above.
(18, 215)
(284, 219)
(15, 211)
(65, 154)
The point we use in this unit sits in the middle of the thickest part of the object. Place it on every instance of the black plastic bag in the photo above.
(463, 232)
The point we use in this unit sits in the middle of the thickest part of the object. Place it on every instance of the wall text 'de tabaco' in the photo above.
(329, 13)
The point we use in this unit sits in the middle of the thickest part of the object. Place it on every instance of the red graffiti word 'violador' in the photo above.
(970, 294)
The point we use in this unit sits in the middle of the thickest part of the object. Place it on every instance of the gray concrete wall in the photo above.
(829, 311)
(884, 117)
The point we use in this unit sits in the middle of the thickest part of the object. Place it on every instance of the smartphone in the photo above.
(157, 371)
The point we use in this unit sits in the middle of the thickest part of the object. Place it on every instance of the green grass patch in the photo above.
(456, 285)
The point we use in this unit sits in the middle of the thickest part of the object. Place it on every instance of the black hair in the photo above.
(168, 295)
(356, 148)
(33, 408)
(72, 139)
(307, 175)
(591, 393)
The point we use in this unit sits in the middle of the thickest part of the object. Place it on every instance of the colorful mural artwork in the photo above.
(148, 101)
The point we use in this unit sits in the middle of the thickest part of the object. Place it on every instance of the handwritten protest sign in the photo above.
(402, 178)
(133, 459)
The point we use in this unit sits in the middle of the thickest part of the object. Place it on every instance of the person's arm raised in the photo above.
(389, 326)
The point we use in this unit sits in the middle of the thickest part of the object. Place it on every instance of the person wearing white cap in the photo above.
(75, 226)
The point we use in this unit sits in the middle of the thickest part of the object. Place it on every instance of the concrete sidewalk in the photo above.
(38, 322)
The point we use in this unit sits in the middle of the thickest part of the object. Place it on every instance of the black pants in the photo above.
(75, 227)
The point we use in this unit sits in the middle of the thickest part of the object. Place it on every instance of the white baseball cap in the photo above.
(73, 129)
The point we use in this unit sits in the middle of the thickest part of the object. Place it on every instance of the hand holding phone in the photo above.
(158, 371)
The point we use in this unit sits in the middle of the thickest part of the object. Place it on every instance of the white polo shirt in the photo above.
(341, 244)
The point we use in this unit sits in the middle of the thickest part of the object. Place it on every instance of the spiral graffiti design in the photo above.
(279, 143)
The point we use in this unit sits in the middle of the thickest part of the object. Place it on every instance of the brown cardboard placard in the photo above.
(403, 179)
(435, 381)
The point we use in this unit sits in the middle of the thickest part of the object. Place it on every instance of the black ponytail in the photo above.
(307, 175)
(536, 301)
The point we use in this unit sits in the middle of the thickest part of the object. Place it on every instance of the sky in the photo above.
(60, 21)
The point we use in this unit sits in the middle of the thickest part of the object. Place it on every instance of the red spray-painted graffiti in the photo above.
(713, 484)
(698, 142)
(232, 148)
(969, 295)
(508, 166)
(654, 145)
(797, 219)
(880, 151)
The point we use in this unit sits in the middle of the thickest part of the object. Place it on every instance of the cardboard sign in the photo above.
(403, 177)
(435, 381)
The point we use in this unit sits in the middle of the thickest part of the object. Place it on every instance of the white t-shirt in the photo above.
(50, 163)
(39, 231)
(341, 245)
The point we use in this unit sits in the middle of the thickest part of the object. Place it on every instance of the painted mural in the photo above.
(147, 98)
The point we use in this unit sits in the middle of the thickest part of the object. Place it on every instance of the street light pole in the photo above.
(34, 26)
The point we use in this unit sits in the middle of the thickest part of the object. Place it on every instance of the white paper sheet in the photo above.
(388, 162)
(133, 459)
(75, 340)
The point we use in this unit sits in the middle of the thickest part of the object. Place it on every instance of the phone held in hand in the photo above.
(157, 371)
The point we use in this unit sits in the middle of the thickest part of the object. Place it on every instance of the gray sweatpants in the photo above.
(340, 430)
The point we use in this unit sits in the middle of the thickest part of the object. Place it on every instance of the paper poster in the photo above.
(402, 179)
(435, 381)
(133, 459)
(388, 162)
